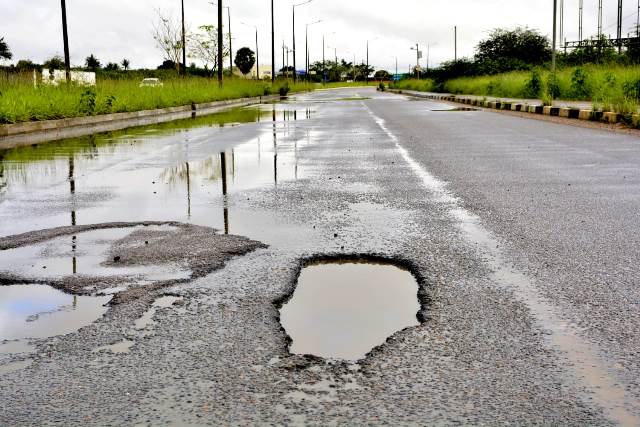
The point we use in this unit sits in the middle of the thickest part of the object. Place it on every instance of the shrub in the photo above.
(553, 86)
(88, 102)
(533, 88)
(580, 88)
(284, 89)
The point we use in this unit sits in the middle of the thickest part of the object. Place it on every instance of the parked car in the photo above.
(151, 82)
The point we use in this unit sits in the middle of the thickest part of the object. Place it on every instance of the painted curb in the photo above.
(565, 112)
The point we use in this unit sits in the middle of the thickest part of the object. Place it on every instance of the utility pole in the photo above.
(638, 22)
(230, 48)
(220, 42)
(184, 43)
(367, 69)
(580, 16)
(599, 20)
(417, 49)
(561, 21)
(65, 38)
(553, 52)
(257, 57)
(455, 44)
(306, 37)
(273, 46)
(619, 27)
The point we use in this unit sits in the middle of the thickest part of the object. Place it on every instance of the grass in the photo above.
(20, 101)
(424, 85)
(607, 87)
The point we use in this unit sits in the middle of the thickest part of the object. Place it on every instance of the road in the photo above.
(525, 233)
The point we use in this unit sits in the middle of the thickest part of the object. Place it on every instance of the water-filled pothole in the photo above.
(40, 311)
(342, 310)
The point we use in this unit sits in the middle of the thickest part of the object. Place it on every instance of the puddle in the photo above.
(40, 311)
(344, 310)
(122, 347)
(177, 167)
(83, 254)
(146, 320)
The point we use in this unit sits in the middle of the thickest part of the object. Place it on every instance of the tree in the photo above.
(203, 46)
(92, 63)
(5, 52)
(167, 33)
(125, 64)
(54, 63)
(507, 50)
(26, 65)
(245, 60)
(112, 66)
(598, 51)
(382, 75)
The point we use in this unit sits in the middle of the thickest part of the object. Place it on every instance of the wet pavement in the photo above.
(522, 237)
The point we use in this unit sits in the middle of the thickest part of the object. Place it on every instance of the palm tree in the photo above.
(125, 64)
(92, 63)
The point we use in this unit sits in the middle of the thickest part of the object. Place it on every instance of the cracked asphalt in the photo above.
(524, 235)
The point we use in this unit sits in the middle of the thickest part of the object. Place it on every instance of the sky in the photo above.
(117, 29)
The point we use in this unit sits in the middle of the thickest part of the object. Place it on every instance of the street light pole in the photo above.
(306, 36)
(220, 42)
(273, 47)
(184, 43)
(553, 52)
(257, 51)
(230, 48)
(65, 38)
(295, 73)
(324, 72)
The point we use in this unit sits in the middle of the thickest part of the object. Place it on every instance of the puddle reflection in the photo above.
(344, 310)
(162, 172)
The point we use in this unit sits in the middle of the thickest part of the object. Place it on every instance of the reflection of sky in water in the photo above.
(82, 254)
(38, 311)
(152, 174)
(344, 310)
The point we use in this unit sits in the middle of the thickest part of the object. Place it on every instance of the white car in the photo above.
(151, 82)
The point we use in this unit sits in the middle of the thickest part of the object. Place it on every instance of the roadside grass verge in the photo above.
(608, 87)
(20, 101)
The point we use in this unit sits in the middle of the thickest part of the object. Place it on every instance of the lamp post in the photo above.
(65, 38)
(306, 37)
(324, 73)
(553, 45)
(184, 42)
(273, 46)
(220, 42)
(230, 47)
(295, 73)
(257, 51)
(417, 49)
(367, 70)
(396, 58)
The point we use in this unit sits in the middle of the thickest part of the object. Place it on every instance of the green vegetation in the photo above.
(424, 85)
(20, 101)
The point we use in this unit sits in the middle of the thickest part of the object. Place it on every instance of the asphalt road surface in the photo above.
(525, 234)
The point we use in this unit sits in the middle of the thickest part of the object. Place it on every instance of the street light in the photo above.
(295, 74)
(273, 46)
(257, 51)
(418, 56)
(396, 58)
(367, 70)
(220, 74)
(306, 37)
(230, 47)
(324, 69)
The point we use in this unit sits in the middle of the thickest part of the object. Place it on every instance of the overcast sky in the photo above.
(117, 29)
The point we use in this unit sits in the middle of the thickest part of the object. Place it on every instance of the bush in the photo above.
(580, 88)
(533, 88)
(284, 89)
(382, 87)
(88, 102)
(553, 86)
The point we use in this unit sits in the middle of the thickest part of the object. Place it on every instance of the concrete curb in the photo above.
(566, 112)
(21, 134)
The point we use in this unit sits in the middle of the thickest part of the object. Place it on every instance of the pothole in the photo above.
(342, 310)
(40, 311)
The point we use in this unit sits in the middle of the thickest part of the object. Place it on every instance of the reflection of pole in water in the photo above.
(275, 148)
(259, 151)
(223, 172)
(233, 165)
(295, 115)
(74, 260)
(188, 191)
(72, 187)
(295, 154)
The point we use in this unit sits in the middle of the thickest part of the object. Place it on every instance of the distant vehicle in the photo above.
(151, 82)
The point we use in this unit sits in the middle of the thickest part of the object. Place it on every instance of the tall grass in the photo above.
(20, 101)
(424, 85)
(601, 84)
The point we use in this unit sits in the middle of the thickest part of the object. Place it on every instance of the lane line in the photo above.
(589, 368)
